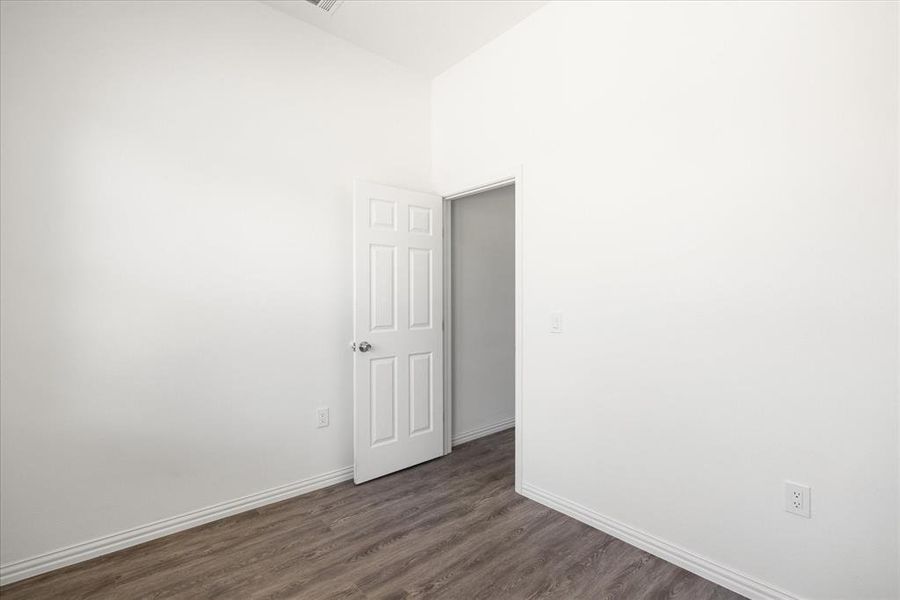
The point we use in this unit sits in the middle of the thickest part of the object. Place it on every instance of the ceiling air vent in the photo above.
(328, 6)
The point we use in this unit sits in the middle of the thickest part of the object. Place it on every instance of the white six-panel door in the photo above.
(398, 403)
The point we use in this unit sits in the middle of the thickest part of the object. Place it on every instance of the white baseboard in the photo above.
(474, 434)
(724, 576)
(76, 553)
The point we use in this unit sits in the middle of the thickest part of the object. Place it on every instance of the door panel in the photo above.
(398, 297)
(383, 290)
(383, 398)
(421, 390)
(421, 285)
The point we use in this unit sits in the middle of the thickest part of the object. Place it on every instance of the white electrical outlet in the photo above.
(796, 499)
(322, 417)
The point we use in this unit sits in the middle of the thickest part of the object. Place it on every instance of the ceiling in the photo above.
(426, 35)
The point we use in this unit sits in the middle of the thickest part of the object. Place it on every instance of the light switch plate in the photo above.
(556, 322)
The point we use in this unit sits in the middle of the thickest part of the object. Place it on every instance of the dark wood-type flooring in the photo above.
(451, 528)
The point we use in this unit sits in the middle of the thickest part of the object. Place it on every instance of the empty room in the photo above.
(450, 299)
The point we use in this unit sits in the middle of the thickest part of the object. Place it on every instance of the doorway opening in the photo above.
(483, 313)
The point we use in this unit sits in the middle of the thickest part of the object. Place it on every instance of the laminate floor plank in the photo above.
(449, 529)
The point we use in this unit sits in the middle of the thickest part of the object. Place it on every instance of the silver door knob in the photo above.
(365, 346)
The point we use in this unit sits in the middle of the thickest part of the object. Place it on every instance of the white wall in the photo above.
(483, 304)
(176, 233)
(711, 197)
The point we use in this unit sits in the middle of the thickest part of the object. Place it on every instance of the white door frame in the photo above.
(453, 192)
